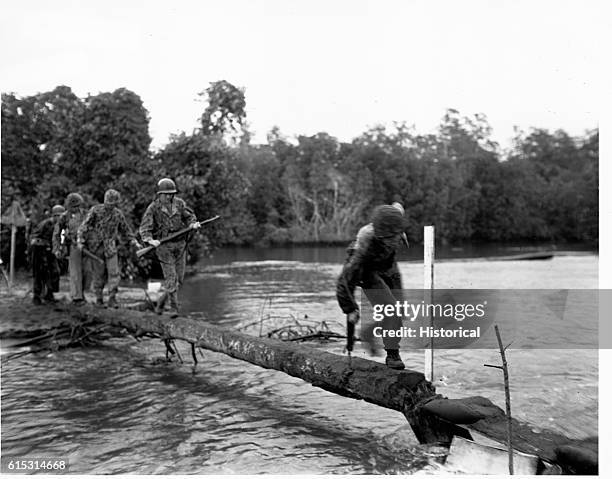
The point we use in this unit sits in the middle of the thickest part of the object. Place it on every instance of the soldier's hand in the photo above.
(353, 317)
(153, 242)
(137, 245)
(196, 225)
(58, 254)
(80, 246)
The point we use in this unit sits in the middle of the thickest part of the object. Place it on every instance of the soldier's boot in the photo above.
(49, 298)
(99, 298)
(36, 301)
(174, 305)
(161, 302)
(112, 301)
(393, 359)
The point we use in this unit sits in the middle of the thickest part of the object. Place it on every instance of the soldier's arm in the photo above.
(86, 225)
(57, 234)
(188, 216)
(125, 230)
(146, 225)
(349, 279)
(37, 230)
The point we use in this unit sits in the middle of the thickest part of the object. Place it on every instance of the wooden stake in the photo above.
(504, 367)
(428, 286)
(12, 262)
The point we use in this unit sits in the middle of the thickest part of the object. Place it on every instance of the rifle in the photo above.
(173, 236)
(350, 338)
(88, 253)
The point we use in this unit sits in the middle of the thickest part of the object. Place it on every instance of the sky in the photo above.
(310, 66)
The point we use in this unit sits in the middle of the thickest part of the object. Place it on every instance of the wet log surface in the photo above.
(406, 391)
(362, 379)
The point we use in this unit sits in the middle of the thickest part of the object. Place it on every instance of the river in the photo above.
(120, 409)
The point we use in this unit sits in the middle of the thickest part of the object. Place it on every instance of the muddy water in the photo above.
(119, 409)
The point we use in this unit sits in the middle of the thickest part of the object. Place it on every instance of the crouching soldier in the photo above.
(98, 234)
(371, 264)
(168, 214)
(64, 244)
(45, 269)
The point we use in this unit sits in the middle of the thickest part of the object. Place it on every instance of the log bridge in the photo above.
(432, 417)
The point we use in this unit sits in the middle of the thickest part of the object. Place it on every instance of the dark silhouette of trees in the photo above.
(304, 189)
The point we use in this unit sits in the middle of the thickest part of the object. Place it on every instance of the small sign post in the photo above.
(13, 217)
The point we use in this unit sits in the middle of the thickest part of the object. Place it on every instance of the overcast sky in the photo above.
(310, 66)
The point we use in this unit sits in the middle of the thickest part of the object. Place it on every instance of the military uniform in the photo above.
(45, 270)
(69, 222)
(98, 233)
(371, 264)
(158, 222)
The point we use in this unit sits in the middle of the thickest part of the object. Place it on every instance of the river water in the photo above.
(121, 409)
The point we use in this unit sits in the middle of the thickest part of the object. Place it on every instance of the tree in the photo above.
(226, 110)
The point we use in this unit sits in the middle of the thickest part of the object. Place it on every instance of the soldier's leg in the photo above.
(54, 279)
(112, 268)
(168, 265)
(87, 274)
(180, 275)
(51, 276)
(98, 272)
(168, 286)
(37, 275)
(379, 293)
(75, 271)
(180, 266)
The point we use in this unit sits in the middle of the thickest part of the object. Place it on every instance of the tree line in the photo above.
(295, 190)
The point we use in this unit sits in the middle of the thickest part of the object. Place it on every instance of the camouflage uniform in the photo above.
(159, 222)
(79, 277)
(98, 233)
(45, 270)
(371, 264)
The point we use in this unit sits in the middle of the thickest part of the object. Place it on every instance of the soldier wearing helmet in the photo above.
(371, 264)
(45, 270)
(99, 233)
(168, 214)
(64, 244)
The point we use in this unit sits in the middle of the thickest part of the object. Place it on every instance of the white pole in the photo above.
(428, 286)
(12, 260)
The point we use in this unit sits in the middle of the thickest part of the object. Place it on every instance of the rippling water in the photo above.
(119, 409)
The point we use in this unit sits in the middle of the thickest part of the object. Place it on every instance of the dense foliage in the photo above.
(307, 189)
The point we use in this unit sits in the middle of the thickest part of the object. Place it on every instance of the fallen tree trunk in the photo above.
(362, 379)
(368, 380)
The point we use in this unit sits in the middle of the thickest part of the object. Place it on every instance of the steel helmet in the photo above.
(388, 221)
(74, 199)
(166, 185)
(57, 210)
(399, 206)
(111, 197)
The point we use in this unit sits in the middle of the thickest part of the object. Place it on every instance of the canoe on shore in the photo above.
(524, 257)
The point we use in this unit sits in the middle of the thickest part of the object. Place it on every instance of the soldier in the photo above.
(45, 270)
(98, 233)
(64, 244)
(371, 264)
(164, 216)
